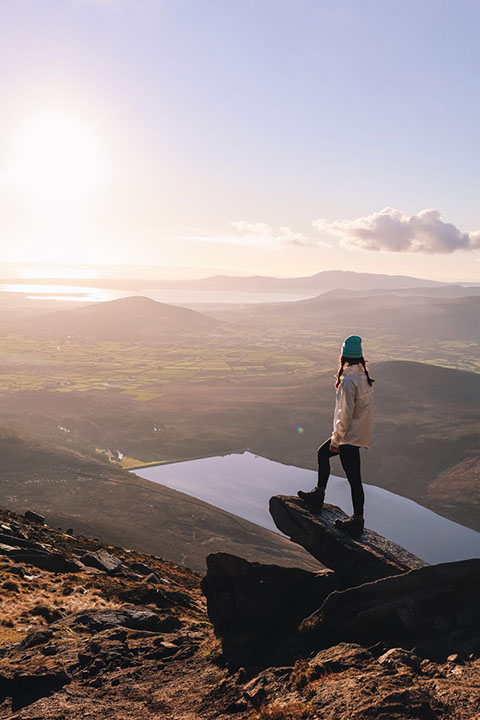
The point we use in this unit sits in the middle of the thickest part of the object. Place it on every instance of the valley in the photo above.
(250, 381)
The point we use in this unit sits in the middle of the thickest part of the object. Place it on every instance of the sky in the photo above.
(277, 137)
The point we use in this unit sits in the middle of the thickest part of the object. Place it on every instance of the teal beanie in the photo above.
(352, 347)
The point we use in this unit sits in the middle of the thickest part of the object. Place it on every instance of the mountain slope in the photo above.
(411, 316)
(89, 631)
(121, 508)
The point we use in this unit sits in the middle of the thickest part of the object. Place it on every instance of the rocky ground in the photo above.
(89, 631)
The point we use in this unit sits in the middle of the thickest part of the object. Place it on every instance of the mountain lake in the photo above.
(242, 484)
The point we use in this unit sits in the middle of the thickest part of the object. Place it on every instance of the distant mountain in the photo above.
(441, 291)
(118, 507)
(125, 320)
(412, 316)
(320, 282)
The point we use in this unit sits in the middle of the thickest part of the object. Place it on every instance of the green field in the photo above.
(141, 370)
(136, 370)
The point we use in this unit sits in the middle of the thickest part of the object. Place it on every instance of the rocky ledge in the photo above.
(89, 630)
(257, 608)
(391, 638)
(355, 561)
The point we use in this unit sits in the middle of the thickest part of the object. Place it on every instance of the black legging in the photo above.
(350, 459)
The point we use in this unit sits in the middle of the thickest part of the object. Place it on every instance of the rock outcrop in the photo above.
(355, 561)
(432, 609)
(137, 618)
(116, 645)
(102, 560)
(256, 608)
(377, 594)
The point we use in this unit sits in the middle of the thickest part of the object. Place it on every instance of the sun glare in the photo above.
(57, 158)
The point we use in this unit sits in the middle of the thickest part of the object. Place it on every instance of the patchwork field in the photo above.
(142, 370)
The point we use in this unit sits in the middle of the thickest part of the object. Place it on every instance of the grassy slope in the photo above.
(123, 509)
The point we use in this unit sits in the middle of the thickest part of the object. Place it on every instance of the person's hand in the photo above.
(333, 448)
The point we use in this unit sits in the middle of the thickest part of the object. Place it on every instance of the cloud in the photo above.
(392, 230)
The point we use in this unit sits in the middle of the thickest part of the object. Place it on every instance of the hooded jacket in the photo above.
(352, 420)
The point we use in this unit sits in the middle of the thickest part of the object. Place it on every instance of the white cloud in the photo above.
(392, 230)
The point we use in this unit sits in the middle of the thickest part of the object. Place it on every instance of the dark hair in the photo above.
(351, 361)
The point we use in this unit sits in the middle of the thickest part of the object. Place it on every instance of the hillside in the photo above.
(119, 507)
(129, 319)
(90, 630)
(412, 316)
(441, 291)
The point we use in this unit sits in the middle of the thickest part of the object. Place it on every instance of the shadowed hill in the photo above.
(412, 316)
(128, 319)
(442, 291)
(119, 507)
(426, 435)
(421, 381)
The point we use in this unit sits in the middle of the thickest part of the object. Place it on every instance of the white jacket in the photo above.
(352, 420)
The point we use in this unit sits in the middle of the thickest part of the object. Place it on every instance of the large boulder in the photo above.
(433, 609)
(19, 542)
(51, 561)
(139, 618)
(256, 608)
(34, 517)
(27, 687)
(355, 561)
(102, 560)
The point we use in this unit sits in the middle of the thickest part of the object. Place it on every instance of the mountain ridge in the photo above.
(325, 280)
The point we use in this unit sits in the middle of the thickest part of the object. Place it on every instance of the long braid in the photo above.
(340, 371)
(364, 364)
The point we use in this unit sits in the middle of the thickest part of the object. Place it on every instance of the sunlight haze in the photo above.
(276, 138)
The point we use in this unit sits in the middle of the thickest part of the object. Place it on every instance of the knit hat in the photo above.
(352, 347)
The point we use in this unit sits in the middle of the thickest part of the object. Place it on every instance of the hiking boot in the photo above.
(313, 499)
(352, 526)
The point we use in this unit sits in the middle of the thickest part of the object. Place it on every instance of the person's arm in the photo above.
(348, 392)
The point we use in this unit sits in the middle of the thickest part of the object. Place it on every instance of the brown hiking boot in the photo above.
(313, 499)
(352, 526)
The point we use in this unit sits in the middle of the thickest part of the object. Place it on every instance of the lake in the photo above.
(243, 484)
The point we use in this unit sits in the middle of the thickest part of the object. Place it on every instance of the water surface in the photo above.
(243, 483)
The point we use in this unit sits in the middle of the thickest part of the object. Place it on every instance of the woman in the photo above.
(352, 429)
